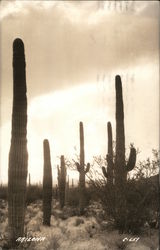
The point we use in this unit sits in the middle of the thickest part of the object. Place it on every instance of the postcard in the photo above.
(79, 125)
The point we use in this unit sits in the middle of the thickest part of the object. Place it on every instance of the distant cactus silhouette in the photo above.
(62, 181)
(47, 184)
(56, 192)
(67, 191)
(18, 156)
(109, 173)
(29, 181)
(72, 183)
(82, 171)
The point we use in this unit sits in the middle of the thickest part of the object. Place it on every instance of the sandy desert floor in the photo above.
(71, 232)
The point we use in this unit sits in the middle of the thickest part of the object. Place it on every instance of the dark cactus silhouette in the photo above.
(29, 179)
(72, 183)
(83, 170)
(47, 184)
(56, 192)
(67, 191)
(62, 181)
(18, 156)
(121, 168)
(109, 173)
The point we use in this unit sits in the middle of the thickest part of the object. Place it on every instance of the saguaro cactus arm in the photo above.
(104, 172)
(132, 159)
(110, 140)
(78, 166)
(58, 170)
(87, 168)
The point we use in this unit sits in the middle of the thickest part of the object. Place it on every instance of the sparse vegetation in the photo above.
(141, 196)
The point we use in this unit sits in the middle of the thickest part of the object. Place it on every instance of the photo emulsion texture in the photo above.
(79, 125)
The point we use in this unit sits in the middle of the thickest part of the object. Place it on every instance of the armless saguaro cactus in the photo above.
(82, 171)
(121, 168)
(62, 181)
(18, 156)
(109, 173)
(47, 184)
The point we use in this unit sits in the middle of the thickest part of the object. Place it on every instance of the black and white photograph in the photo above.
(79, 125)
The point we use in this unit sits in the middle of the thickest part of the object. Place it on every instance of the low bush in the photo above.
(141, 203)
(73, 197)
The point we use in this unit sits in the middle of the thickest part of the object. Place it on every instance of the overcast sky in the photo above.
(73, 52)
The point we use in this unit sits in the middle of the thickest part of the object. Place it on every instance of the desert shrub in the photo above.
(73, 197)
(141, 204)
(34, 192)
(79, 221)
(53, 243)
(137, 207)
(141, 194)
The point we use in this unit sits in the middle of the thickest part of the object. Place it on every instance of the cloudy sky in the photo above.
(73, 51)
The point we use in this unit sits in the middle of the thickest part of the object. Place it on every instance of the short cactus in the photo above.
(62, 181)
(109, 173)
(82, 171)
(47, 184)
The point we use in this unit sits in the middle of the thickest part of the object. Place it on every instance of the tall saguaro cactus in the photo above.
(83, 170)
(121, 167)
(18, 156)
(62, 181)
(47, 184)
(109, 174)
